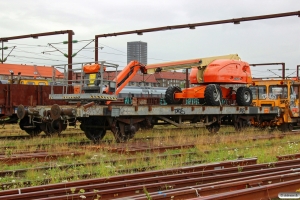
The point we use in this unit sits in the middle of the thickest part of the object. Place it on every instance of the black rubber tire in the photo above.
(202, 101)
(170, 92)
(212, 96)
(244, 96)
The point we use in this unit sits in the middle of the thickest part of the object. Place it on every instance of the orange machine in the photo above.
(213, 76)
(93, 78)
(123, 78)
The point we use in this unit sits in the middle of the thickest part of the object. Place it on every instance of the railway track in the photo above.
(152, 176)
(24, 137)
(79, 132)
(211, 181)
(45, 145)
(138, 147)
(122, 148)
(118, 147)
(35, 156)
(6, 186)
(288, 157)
(131, 148)
(23, 156)
(19, 172)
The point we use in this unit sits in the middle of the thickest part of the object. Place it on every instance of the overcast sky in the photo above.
(263, 41)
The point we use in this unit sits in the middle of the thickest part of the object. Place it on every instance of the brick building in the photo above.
(28, 71)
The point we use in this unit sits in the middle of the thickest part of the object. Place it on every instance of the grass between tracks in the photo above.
(222, 146)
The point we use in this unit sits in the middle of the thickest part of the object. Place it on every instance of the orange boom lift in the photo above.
(214, 78)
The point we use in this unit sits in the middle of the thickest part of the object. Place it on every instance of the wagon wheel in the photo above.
(118, 134)
(29, 128)
(213, 95)
(93, 128)
(132, 130)
(169, 96)
(95, 135)
(244, 96)
(58, 126)
(213, 128)
(48, 130)
(123, 132)
(33, 132)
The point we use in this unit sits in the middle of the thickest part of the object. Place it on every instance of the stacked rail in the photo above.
(239, 179)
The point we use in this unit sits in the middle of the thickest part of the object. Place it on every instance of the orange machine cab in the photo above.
(222, 71)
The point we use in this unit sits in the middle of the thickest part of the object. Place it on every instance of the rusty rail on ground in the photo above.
(46, 190)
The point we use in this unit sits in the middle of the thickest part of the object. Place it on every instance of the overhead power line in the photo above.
(29, 45)
(35, 58)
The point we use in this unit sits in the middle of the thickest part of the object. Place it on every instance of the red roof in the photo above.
(29, 70)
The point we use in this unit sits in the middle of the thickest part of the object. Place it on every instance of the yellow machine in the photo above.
(280, 93)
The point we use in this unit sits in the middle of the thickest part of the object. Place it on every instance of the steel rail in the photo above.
(131, 187)
(288, 157)
(223, 186)
(17, 137)
(19, 172)
(128, 149)
(137, 149)
(7, 186)
(195, 168)
(15, 158)
(256, 193)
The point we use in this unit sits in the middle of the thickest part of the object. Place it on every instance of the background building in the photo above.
(7, 71)
(137, 51)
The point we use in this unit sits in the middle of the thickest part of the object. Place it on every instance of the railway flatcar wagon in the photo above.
(12, 95)
(125, 120)
(97, 113)
(25, 91)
